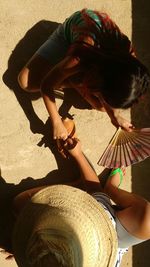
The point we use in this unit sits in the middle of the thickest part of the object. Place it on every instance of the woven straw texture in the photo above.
(65, 215)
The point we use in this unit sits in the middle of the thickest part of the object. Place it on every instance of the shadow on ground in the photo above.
(21, 54)
(141, 116)
(68, 172)
(67, 169)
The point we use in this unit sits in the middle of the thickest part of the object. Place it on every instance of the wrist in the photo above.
(77, 155)
(116, 112)
(56, 119)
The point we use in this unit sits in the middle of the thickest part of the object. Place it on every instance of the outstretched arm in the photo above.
(53, 80)
(98, 103)
(116, 119)
(135, 210)
(88, 174)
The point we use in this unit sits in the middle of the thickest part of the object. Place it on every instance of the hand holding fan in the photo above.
(126, 148)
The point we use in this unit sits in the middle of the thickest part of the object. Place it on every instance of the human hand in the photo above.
(59, 130)
(116, 119)
(73, 146)
(68, 147)
(71, 131)
(123, 123)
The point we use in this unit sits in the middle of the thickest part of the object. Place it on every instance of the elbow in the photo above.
(92, 187)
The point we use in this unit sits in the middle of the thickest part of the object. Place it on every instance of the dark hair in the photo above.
(109, 66)
(125, 82)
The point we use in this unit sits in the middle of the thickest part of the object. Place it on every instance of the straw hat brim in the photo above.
(77, 218)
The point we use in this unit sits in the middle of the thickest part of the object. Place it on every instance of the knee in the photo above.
(28, 81)
(23, 79)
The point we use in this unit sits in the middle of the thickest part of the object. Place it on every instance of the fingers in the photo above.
(63, 129)
(61, 149)
(61, 136)
(66, 147)
(131, 128)
(127, 126)
(60, 132)
(70, 143)
(123, 123)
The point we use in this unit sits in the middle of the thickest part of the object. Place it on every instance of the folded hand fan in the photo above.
(126, 148)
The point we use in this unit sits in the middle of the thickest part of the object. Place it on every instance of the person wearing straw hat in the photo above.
(62, 225)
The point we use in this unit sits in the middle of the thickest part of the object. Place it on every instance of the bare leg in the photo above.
(33, 73)
(135, 212)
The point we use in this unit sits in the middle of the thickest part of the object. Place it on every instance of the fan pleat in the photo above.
(133, 152)
(105, 156)
(126, 156)
(115, 156)
(142, 147)
(126, 148)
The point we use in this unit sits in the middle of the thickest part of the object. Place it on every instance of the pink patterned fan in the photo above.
(126, 148)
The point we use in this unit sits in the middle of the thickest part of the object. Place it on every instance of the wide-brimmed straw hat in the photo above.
(64, 226)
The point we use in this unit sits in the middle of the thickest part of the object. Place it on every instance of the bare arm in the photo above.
(53, 80)
(88, 175)
(114, 115)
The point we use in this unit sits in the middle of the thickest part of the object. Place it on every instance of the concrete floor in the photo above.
(27, 158)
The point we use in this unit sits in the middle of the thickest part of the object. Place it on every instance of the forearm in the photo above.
(51, 107)
(53, 80)
(88, 175)
(112, 112)
(91, 99)
(117, 120)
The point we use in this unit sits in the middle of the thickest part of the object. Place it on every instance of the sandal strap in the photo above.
(118, 170)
